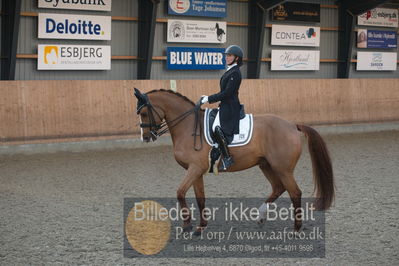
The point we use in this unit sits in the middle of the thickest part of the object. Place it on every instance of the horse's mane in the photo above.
(175, 93)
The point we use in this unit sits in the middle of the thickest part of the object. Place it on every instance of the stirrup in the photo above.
(226, 163)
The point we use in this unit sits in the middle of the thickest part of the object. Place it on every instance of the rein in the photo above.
(158, 130)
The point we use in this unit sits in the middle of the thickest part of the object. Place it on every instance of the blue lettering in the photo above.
(50, 22)
(97, 29)
(82, 27)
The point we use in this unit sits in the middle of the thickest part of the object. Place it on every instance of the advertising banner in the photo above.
(73, 57)
(202, 8)
(376, 39)
(195, 58)
(96, 5)
(195, 31)
(295, 60)
(378, 61)
(295, 35)
(294, 11)
(77, 27)
(382, 17)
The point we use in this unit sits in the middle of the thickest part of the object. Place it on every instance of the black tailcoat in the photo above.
(229, 112)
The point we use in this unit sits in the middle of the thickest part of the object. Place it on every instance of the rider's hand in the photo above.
(204, 99)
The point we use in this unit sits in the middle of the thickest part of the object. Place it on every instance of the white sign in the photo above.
(295, 60)
(97, 5)
(295, 35)
(196, 31)
(73, 57)
(378, 61)
(383, 17)
(78, 27)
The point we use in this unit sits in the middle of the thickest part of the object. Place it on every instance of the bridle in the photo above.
(157, 130)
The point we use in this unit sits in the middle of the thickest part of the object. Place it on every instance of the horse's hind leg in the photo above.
(277, 186)
(291, 186)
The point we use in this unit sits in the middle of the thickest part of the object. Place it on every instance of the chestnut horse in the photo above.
(275, 147)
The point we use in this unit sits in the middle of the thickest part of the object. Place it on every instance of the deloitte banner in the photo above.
(195, 58)
(196, 31)
(376, 61)
(97, 5)
(295, 60)
(295, 35)
(381, 17)
(376, 39)
(77, 27)
(203, 8)
(73, 57)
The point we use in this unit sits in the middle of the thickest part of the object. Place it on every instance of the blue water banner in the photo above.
(195, 58)
(376, 39)
(201, 8)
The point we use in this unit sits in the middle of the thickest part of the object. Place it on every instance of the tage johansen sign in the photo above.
(378, 61)
(195, 58)
(382, 17)
(203, 8)
(376, 39)
(295, 35)
(153, 229)
(293, 11)
(79, 27)
(295, 60)
(196, 31)
(73, 57)
(97, 5)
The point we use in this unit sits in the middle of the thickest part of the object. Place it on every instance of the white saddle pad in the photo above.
(241, 139)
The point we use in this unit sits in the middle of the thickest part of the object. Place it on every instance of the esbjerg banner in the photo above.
(196, 31)
(77, 27)
(378, 61)
(381, 17)
(96, 5)
(295, 60)
(73, 57)
(295, 35)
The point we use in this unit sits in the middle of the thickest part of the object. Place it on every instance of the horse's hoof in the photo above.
(199, 230)
(187, 229)
(260, 221)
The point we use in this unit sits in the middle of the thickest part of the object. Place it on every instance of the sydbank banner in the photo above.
(77, 27)
(378, 61)
(203, 8)
(73, 57)
(196, 31)
(195, 58)
(382, 17)
(376, 39)
(97, 5)
(295, 60)
(295, 35)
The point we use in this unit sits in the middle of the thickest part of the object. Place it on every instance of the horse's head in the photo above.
(150, 118)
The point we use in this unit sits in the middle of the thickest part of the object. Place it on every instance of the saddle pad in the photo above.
(241, 139)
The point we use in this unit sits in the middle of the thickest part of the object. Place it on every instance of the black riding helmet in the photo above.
(237, 51)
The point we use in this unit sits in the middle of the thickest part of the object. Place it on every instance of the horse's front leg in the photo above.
(193, 173)
(200, 196)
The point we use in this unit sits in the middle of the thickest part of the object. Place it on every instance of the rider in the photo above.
(229, 107)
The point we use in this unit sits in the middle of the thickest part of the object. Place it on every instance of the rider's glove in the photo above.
(204, 99)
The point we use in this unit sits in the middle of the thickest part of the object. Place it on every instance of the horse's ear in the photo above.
(137, 93)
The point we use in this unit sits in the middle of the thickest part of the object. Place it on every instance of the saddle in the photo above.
(242, 138)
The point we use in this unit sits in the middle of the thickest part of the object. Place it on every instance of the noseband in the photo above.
(157, 130)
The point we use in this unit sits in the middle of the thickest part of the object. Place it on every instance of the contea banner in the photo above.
(203, 8)
(378, 61)
(382, 17)
(376, 39)
(295, 60)
(96, 5)
(73, 57)
(196, 31)
(295, 35)
(195, 58)
(77, 27)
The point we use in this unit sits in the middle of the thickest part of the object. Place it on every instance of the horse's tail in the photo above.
(322, 168)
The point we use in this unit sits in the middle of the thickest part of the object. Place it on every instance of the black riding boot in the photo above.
(227, 160)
